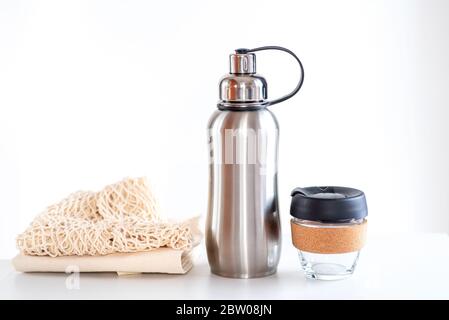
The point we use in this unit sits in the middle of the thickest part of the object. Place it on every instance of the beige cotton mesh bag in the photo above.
(121, 219)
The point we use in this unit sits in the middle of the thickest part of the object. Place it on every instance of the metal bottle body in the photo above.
(243, 236)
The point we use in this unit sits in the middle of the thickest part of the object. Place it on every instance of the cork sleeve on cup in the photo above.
(329, 239)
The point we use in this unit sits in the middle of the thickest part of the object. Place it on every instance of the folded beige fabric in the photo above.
(162, 260)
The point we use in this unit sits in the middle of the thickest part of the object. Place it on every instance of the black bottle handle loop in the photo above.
(301, 80)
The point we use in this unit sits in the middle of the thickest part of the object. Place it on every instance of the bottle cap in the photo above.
(242, 88)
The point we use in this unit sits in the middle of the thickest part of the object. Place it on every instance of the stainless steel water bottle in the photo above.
(243, 236)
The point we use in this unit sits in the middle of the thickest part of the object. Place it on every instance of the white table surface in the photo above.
(390, 267)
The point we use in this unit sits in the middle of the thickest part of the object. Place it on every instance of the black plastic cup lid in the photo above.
(328, 204)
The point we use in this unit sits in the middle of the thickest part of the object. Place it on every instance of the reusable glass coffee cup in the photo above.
(329, 229)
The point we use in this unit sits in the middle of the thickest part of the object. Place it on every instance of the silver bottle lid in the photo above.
(242, 88)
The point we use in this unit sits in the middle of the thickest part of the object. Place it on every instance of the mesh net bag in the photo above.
(123, 217)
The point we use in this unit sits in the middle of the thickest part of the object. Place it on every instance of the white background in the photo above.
(93, 91)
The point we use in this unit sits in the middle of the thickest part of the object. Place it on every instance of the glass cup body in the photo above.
(328, 266)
